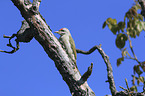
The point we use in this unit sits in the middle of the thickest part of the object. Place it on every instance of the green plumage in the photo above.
(73, 46)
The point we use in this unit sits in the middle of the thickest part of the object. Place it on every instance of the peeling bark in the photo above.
(42, 33)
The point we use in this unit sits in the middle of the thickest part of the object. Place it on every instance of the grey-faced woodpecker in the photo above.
(67, 43)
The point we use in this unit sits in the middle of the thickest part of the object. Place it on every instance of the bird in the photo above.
(67, 43)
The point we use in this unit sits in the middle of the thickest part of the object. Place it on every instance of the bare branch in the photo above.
(43, 34)
(25, 34)
(130, 44)
(88, 52)
(108, 64)
(10, 45)
(109, 70)
(86, 75)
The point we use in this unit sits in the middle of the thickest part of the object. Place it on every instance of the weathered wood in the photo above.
(51, 45)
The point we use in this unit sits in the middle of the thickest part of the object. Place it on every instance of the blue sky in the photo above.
(30, 72)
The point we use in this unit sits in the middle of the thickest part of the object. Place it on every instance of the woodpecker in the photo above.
(67, 43)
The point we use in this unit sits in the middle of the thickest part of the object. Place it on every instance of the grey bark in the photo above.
(42, 33)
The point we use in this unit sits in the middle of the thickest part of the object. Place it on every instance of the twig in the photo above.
(88, 52)
(127, 84)
(124, 89)
(25, 34)
(10, 45)
(86, 75)
(108, 64)
(130, 44)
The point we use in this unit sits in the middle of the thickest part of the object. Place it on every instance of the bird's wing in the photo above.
(73, 46)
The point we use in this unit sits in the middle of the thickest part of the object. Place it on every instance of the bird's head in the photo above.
(63, 31)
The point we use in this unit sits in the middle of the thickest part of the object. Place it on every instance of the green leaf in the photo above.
(137, 6)
(137, 70)
(140, 17)
(134, 69)
(133, 88)
(131, 13)
(120, 44)
(114, 29)
(124, 18)
(112, 21)
(124, 52)
(143, 65)
(104, 24)
(139, 26)
(143, 24)
(120, 40)
(132, 33)
(124, 37)
(131, 24)
(133, 81)
(119, 60)
(141, 79)
(138, 81)
(112, 24)
(121, 26)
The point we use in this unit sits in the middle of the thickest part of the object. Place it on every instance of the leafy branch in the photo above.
(131, 27)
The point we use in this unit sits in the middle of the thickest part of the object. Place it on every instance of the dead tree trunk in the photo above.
(35, 26)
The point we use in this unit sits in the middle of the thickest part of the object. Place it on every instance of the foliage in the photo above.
(131, 27)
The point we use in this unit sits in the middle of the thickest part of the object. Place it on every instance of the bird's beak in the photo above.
(57, 32)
